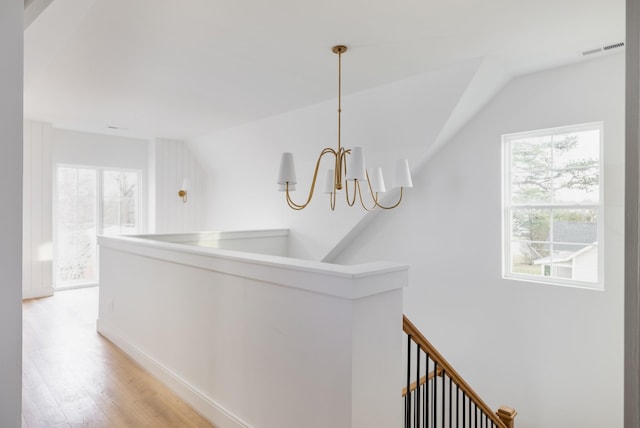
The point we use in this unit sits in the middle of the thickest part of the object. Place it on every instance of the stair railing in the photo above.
(437, 396)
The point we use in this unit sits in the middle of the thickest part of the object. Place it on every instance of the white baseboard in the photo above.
(204, 405)
(35, 293)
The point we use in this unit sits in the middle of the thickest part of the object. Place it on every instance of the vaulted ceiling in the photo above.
(184, 68)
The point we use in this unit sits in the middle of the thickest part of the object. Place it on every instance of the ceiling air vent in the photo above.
(603, 48)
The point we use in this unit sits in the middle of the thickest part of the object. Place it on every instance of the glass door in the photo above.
(91, 201)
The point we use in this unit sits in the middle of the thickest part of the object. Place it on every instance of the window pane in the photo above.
(531, 175)
(76, 228)
(578, 185)
(524, 257)
(576, 159)
(530, 224)
(572, 148)
(119, 203)
(575, 262)
(575, 226)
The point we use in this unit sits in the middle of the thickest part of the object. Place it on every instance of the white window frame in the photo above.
(140, 215)
(507, 208)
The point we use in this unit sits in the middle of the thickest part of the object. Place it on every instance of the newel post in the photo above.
(507, 415)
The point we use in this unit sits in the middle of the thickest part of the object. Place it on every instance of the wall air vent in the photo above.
(603, 48)
(591, 51)
(613, 46)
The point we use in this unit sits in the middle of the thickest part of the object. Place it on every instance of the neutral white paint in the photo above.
(33, 9)
(253, 340)
(11, 215)
(108, 151)
(554, 353)
(399, 120)
(37, 233)
(272, 242)
(85, 148)
(45, 148)
(184, 69)
(489, 78)
(169, 163)
(162, 164)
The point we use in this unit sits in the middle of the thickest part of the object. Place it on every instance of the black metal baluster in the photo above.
(417, 421)
(450, 401)
(404, 416)
(443, 399)
(464, 410)
(408, 396)
(475, 406)
(426, 398)
(457, 405)
(435, 393)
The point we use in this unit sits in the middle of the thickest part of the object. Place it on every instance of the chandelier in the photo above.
(349, 169)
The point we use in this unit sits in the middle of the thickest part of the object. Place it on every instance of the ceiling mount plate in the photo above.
(339, 49)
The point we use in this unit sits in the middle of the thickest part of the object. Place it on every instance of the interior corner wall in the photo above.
(553, 353)
(37, 238)
(11, 84)
(45, 147)
(394, 121)
(170, 162)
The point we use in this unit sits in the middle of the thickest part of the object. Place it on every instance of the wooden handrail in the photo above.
(425, 345)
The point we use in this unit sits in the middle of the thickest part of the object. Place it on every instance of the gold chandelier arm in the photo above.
(290, 201)
(332, 200)
(343, 158)
(355, 192)
(392, 206)
(374, 197)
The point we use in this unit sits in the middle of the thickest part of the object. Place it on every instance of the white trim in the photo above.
(36, 293)
(346, 281)
(207, 407)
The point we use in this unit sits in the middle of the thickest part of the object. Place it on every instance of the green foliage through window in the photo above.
(552, 200)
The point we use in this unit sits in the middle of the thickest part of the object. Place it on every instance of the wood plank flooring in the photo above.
(73, 377)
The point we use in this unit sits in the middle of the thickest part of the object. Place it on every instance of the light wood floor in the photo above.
(74, 377)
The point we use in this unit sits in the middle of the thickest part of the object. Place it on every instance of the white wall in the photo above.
(44, 148)
(37, 234)
(11, 215)
(99, 150)
(170, 162)
(253, 340)
(163, 164)
(85, 148)
(399, 120)
(554, 353)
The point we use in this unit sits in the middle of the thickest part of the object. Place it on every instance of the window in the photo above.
(552, 206)
(90, 202)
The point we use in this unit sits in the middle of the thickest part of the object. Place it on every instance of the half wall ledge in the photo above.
(257, 339)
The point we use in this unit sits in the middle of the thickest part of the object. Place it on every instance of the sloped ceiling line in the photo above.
(485, 83)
